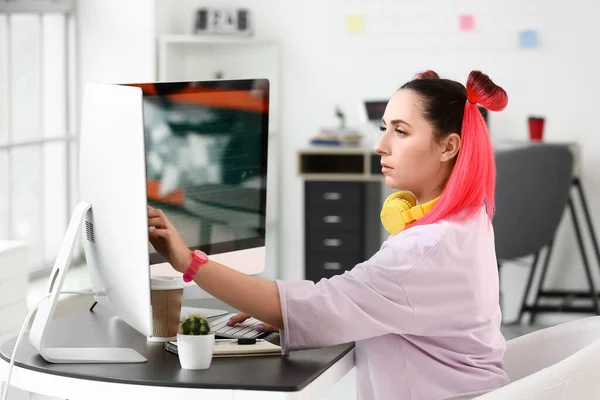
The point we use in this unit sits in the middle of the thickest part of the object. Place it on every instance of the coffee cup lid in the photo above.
(166, 283)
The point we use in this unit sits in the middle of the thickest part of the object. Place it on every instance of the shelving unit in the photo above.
(199, 58)
(195, 57)
(342, 199)
(212, 39)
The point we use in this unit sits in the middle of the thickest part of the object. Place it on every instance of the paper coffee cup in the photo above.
(167, 298)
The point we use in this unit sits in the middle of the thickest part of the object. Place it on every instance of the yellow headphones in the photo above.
(400, 210)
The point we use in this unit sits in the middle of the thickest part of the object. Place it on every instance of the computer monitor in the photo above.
(372, 110)
(115, 188)
(112, 185)
(206, 165)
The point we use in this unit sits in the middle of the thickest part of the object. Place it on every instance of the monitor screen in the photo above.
(206, 161)
(374, 110)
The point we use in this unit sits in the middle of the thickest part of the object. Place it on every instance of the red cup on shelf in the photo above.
(536, 128)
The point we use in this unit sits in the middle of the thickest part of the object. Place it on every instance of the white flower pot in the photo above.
(195, 351)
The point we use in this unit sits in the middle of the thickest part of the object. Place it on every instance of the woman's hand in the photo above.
(260, 327)
(167, 241)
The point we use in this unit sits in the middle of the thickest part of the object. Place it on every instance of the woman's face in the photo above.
(411, 158)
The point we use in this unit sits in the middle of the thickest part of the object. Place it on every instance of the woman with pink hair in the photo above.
(424, 310)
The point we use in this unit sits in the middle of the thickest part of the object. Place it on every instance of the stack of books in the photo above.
(337, 137)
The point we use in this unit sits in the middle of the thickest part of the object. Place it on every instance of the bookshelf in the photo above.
(199, 58)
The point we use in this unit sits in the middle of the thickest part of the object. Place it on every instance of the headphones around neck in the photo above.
(400, 210)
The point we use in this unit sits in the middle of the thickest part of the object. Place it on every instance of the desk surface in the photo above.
(101, 329)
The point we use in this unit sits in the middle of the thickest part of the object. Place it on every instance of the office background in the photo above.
(323, 64)
(319, 55)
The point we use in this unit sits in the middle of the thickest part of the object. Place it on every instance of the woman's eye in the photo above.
(382, 128)
(400, 132)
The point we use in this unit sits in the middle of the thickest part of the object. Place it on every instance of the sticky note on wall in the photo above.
(528, 39)
(466, 22)
(355, 23)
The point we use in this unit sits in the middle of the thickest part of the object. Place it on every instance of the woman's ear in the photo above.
(450, 147)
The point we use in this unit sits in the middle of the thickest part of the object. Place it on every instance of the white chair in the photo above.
(560, 362)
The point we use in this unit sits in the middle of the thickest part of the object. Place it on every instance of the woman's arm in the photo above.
(363, 303)
(249, 294)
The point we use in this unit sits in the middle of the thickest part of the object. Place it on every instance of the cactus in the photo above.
(194, 324)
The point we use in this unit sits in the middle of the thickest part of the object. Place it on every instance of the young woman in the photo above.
(424, 310)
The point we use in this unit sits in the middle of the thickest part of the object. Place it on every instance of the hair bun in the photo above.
(428, 74)
(481, 90)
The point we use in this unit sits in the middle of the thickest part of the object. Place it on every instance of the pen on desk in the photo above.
(239, 341)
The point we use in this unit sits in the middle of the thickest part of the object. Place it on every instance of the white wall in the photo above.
(323, 65)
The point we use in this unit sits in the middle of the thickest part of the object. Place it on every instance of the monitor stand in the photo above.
(45, 312)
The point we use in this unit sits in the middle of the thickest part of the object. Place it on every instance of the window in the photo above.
(37, 140)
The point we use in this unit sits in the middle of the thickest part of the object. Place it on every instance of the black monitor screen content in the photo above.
(375, 110)
(206, 156)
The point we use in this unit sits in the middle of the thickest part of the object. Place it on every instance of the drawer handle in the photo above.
(332, 219)
(332, 196)
(332, 242)
(332, 265)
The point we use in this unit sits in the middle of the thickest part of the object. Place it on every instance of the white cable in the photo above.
(22, 331)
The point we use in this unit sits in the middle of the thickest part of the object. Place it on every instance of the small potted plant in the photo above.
(341, 116)
(195, 342)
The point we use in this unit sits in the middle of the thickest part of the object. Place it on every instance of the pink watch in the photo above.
(198, 258)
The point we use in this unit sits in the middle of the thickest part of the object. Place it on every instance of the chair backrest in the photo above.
(532, 190)
(535, 351)
(557, 363)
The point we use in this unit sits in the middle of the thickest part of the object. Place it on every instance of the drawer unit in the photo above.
(333, 242)
(327, 264)
(333, 193)
(334, 228)
(334, 218)
(342, 202)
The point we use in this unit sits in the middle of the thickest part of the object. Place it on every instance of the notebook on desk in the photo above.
(233, 349)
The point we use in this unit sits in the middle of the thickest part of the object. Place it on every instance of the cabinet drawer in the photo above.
(333, 241)
(327, 264)
(333, 193)
(316, 276)
(333, 218)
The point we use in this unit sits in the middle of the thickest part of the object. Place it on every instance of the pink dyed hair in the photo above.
(473, 179)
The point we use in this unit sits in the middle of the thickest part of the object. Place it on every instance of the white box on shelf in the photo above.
(14, 273)
(12, 290)
(12, 317)
(13, 258)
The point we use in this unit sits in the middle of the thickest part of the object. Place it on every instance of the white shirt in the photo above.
(424, 313)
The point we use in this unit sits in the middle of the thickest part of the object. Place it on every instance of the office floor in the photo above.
(345, 389)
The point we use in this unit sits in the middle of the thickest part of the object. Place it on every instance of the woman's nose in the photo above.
(380, 146)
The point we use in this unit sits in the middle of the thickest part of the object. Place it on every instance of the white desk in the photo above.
(307, 374)
(84, 389)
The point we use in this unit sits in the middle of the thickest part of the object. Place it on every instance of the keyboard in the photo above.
(206, 312)
(243, 330)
